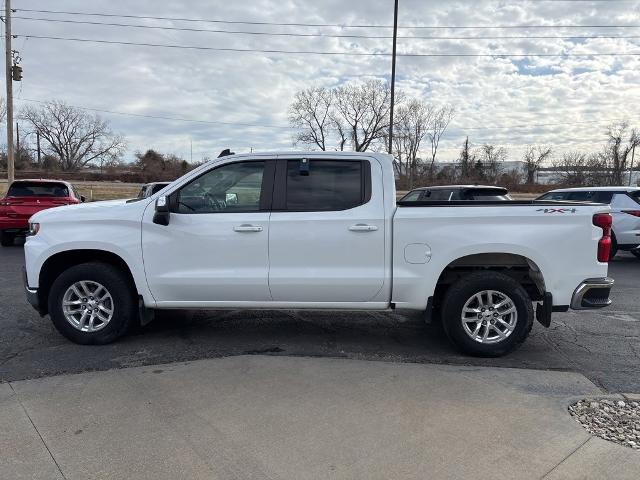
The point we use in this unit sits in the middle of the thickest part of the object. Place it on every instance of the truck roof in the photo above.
(384, 157)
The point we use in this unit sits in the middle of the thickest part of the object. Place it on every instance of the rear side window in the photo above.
(554, 196)
(37, 189)
(325, 185)
(635, 196)
(486, 194)
(439, 195)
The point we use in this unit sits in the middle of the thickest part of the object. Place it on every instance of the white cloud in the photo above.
(253, 88)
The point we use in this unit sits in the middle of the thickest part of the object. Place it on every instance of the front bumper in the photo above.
(592, 293)
(32, 294)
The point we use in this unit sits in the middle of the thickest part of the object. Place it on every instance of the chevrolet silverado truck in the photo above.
(316, 231)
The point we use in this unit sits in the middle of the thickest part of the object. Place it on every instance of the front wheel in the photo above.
(487, 314)
(636, 253)
(92, 303)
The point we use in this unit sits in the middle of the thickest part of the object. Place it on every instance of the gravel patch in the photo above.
(614, 420)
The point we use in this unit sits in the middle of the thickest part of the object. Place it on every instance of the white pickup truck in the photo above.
(316, 231)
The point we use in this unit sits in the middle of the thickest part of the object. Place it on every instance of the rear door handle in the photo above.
(361, 227)
(247, 228)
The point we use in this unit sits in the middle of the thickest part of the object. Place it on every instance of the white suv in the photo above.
(625, 208)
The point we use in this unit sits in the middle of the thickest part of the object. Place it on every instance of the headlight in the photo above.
(34, 228)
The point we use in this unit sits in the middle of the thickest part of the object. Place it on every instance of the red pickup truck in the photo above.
(27, 197)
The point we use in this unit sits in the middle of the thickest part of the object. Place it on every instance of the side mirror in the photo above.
(82, 198)
(161, 217)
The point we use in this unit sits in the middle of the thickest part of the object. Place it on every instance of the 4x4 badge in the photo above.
(556, 210)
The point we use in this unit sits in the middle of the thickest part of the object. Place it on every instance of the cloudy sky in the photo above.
(239, 99)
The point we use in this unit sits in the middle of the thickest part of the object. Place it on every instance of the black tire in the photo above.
(122, 292)
(614, 247)
(635, 253)
(461, 291)
(6, 239)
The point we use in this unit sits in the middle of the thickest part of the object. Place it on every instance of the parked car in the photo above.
(26, 197)
(625, 208)
(317, 230)
(149, 189)
(451, 193)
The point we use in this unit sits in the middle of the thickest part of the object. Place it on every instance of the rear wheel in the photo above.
(6, 239)
(92, 303)
(487, 314)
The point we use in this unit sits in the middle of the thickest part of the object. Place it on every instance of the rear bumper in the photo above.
(592, 293)
(14, 225)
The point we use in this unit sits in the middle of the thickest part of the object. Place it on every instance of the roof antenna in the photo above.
(226, 152)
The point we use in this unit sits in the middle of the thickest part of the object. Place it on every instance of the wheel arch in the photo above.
(61, 261)
(520, 267)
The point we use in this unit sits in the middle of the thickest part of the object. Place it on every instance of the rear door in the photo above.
(326, 236)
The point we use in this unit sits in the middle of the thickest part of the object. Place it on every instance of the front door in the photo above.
(327, 231)
(215, 248)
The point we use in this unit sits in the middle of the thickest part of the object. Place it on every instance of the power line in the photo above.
(326, 35)
(300, 24)
(316, 52)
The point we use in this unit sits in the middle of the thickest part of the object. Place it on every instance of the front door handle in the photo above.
(361, 227)
(247, 228)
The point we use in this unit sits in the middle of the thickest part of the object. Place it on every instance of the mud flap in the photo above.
(544, 310)
(146, 314)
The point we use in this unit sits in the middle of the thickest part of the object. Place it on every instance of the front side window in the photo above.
(324, 185)
(235, 187)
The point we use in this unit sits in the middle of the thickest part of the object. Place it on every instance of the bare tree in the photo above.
(412, 123)
(441, 119)
(621, 141)
(493, 159)
(76, 137)
(3, 110)
(311, 113)
(572, 169)
(362, 113)
(534, 157)
(466, 160)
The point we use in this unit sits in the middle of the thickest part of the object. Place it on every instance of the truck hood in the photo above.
(93, 211)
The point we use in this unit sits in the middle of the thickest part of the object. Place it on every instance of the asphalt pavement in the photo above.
(602, 345)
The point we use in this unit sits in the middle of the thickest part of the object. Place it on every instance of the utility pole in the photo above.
(633, 154)
(38, 144)
(17, 152)
(393, 75)
(9, 76)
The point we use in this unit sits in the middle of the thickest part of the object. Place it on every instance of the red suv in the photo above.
(26, 197)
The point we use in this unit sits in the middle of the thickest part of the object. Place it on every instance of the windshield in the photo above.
(38, 189)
